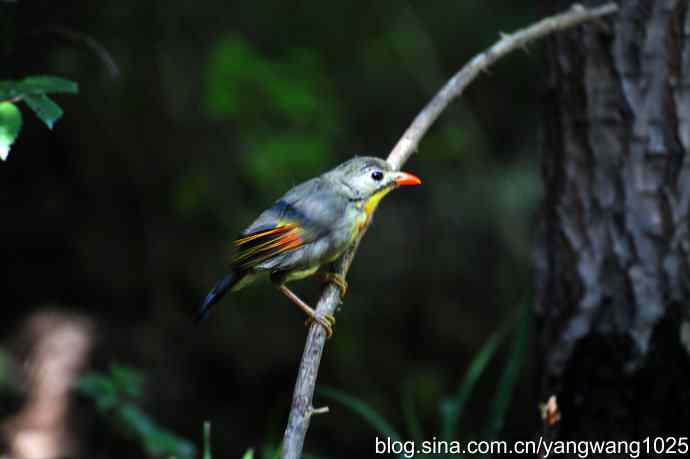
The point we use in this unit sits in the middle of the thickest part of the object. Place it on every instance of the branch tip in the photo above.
(314, 411)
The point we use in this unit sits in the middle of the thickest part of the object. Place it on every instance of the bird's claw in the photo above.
(338, 280)
(327, 322)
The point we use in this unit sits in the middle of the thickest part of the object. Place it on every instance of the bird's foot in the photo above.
(336, 279)
(327, 322)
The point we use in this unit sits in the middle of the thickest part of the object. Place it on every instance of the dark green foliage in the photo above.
(409, 409)
(452, 408)
(282, 107)
(241, 82)
(117, 395)
(504, 390)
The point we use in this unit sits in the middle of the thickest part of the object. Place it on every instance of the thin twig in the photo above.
(298, 422)
(81, 39)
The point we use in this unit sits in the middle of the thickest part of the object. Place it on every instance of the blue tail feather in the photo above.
(215, 295)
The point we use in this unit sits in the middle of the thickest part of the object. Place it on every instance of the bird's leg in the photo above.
(337, 279)
(327, 321)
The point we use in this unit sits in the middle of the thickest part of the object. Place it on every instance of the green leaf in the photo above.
(162, 443)
(36, 85)
(10, 124)
(42, 84)
(249, 454)
(277, 159)
(47, 110)
(207, 440)
(135, 421)
(157, 441)
(451, 409)
(270, 451)
(127, 380)
(503, 395)
(414, 427)
(100, 388)
(356, 405)
(8, 90)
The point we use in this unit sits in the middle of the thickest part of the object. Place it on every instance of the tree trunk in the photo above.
(613, 260)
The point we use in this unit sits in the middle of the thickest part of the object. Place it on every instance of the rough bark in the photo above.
(613, 269)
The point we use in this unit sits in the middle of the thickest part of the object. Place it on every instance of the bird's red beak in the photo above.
(403, 178)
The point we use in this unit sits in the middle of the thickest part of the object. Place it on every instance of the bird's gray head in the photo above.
(364, 176)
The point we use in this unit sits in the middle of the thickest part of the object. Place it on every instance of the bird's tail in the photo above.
(215, 295)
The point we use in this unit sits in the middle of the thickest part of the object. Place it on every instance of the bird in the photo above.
(307, 229)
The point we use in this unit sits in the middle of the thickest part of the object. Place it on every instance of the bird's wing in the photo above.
(307, 212)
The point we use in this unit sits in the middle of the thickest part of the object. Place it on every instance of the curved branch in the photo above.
(302, 409)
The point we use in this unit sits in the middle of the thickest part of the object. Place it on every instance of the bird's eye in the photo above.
(377, 175)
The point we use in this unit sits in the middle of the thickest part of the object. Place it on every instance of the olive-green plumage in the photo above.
(310, 226)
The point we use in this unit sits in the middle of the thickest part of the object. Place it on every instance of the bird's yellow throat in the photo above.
(369, 206)
(373, 201)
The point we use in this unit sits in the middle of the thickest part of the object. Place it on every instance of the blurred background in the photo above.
(191, 118)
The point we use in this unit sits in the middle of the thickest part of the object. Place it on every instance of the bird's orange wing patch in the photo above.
(257, 247)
